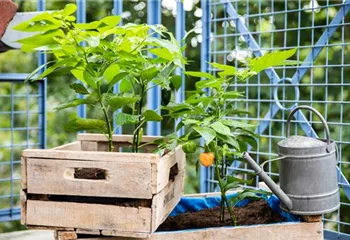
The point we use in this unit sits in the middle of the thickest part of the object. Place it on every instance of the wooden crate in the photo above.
(134, 196)
(312, 230)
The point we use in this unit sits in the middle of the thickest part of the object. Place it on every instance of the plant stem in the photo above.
(137, 126)
(108, 122)
(224, 200)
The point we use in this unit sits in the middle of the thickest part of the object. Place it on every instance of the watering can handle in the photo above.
(312, 110)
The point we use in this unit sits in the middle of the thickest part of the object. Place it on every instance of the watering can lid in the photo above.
(301, 142)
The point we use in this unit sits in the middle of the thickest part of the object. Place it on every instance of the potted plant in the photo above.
(205, 115)
(89, 185)
(221, 215)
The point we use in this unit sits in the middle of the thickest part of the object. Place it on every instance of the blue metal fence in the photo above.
(236, 30)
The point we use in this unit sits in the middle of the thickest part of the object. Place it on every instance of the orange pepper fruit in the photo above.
(207, 159)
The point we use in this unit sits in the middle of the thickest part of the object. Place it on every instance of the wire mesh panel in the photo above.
(319, 30)
(20, 103)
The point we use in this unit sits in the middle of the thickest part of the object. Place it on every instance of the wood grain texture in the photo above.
(165, 201)
(23, 197)
(287, 231)
(89, 216)
(91, 156)
(89, 146)
(24, 173)
(161, 170)
(70, 146)
(66, 235)
(123, 180)
(293, 231)
(87, 231)
(114, 233)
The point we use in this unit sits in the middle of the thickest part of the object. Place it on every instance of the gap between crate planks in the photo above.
(131, 198)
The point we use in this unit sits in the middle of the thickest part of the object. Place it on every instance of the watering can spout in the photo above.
(271, 184)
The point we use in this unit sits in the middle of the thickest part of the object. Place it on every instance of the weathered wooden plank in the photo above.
(23, 197)
(166, 200)
(90, 216)
(24, 173)
(116, 138)
(123, 180)
(91, 156)
(76, 146)
(89, 146)
(87, 231)
(288, 231)
(50, 228)
(111, 233)
(161, 170)
(67, 235)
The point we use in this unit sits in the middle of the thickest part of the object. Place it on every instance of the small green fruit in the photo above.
(189, 147)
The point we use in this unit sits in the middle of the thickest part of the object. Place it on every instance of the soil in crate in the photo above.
(256, 212)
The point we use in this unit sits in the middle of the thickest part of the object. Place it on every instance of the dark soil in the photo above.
(174, 170)
(256, 212)
(89, 173)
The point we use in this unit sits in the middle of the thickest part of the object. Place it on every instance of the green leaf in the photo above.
(162, 53)
(76, 102)
(82, 124)
(176, 80)
(151, 115)
(73, 103)
(229, 140)
(227, 70)
(30, 26)
(116, 102)
(199, 74)
(207, 133)
(124, 118)
(190, 121)
(117, 78)
(125, 85)
(69, 9)
(90, 80)
(30, 76)
(88, 26)
(112, 71)
(111, 20)
(232, 95)
(43, 38)
(211, 83)
(250, 140)
(270, 60)
(149, 73)
(79, 88)
(220, 128)
(236, 124)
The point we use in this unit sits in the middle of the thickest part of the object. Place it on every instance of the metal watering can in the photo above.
(308, 176)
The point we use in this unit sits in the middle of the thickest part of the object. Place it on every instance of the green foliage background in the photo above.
(134, 11)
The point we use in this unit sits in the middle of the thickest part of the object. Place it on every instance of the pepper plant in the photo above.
(102, 54)
(205, 115)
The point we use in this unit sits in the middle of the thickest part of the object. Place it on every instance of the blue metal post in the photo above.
(81, 18)
(180, 34)
(42, 58)
(118, 9)
(153, 95)
(205, 47)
